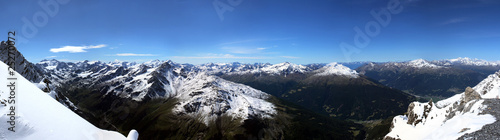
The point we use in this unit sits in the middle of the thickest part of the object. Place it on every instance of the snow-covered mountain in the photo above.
(257, 68)
(451, 118)
(38, 116)
(336, 69)
(147, 80)
(215, 96)
(196, 91)
(187, 96)
(281, 69)
(466, 61)
(197, 87)
(413, 64)
(225, 68)
(436, 64)
(421, 63)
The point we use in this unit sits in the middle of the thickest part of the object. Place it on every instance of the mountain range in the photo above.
(198, 90)
(164, 99)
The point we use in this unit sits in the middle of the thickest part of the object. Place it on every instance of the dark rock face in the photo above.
(391, 138)
(28, 70)
(427, 109)
(412, 116)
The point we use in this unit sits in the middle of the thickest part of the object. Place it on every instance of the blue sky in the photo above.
(298, 31)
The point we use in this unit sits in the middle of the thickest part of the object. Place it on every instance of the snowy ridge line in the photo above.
(436, 64)
(469, 61)
(210, 68)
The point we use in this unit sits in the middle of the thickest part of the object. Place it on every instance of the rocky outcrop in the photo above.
(413, 117)
(463, 106)
(469, 95)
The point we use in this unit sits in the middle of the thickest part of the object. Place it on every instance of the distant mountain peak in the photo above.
(336, 69)
(421, 63)
(471, 62)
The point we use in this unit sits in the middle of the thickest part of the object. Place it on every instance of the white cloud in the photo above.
(244, 50)
(51, 56)
(242, 41)
(453, 21)
(133, 54)
(290, 57)
(218, 56)
(255, 40)
(76, 49)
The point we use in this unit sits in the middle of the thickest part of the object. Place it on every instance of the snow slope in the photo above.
(39, 116)
(449, 118)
